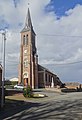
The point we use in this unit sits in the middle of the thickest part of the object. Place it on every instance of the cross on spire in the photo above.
(28, 3)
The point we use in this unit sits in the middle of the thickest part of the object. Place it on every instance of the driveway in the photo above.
(57, 106)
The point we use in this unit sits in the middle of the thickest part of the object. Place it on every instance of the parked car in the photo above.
(18, 86)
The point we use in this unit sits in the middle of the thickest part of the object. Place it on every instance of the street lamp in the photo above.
(3, 69)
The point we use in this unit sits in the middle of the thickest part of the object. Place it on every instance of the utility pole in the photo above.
(3, 69)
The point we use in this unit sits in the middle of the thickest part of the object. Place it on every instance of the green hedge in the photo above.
(11, 82)
(9, 86)
(27, 92)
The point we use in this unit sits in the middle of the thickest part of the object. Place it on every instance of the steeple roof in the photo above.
(28, 23)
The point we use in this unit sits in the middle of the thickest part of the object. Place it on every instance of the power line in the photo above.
(53, 35)
(10, 60)
(66, 63)
(13, 65)
(17, 62)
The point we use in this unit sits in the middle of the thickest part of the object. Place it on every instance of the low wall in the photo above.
(68, 90)
(53, 89)
(11, 92)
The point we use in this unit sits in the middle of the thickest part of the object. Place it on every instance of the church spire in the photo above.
(28, 22)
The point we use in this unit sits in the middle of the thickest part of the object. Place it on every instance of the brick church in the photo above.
(30, 72)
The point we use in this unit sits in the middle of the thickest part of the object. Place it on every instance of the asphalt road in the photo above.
(57, 106)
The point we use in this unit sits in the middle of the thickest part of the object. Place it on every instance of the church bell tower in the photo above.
(28, 66)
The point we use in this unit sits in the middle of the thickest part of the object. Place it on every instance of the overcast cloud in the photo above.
(52, 50)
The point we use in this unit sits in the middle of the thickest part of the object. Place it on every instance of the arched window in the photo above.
(27, 40)
(24, 40)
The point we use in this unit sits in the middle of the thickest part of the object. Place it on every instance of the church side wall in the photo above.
(41, 80)
(46, 79)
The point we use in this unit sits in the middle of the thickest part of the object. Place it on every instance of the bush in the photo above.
(27, 92)
(9, 86)
(14, 82)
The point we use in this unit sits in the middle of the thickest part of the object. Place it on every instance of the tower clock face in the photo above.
(25, 51)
